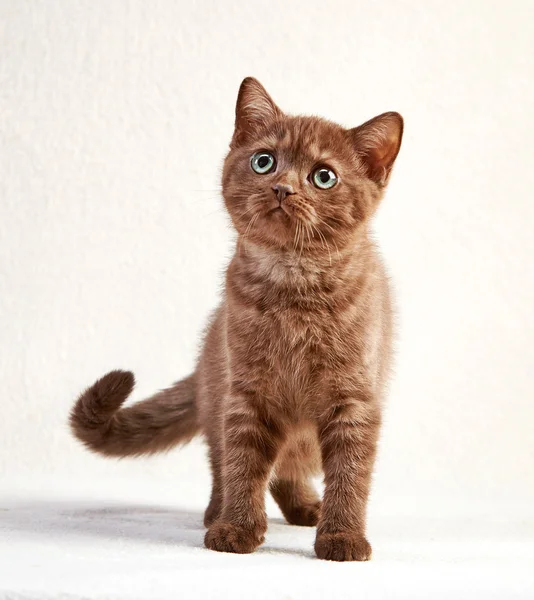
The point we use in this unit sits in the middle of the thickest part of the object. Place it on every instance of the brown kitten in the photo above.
(292, 373)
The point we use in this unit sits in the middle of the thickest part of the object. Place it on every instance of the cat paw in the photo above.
(342, 547)
(306, 515)
(225, 537)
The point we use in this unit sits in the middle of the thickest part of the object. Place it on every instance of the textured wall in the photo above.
(115, 117)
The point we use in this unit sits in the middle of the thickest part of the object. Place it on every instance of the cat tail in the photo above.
(154, 425)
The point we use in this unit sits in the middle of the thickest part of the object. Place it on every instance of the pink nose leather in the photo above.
(282, 190)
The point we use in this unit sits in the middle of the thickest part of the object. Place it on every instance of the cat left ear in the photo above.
(254, 109)
(378, 142)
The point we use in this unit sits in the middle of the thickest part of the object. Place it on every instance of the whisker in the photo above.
(302, 228)
(217, 210)
(333, 237)
(337, 250)
(210, 199)
(323, 242)
(248, 210)
(329, 226)
(308, 232)
(251, 224)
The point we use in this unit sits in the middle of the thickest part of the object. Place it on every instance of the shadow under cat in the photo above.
(143, 523)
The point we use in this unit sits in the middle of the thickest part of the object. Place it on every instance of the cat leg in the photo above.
(297, 499)
(291, 485)
(216, 500)
(348, 444)
(251, 446)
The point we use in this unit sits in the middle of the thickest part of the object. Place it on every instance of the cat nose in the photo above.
(282, 190)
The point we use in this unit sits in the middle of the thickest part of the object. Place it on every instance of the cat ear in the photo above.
(254, 109)
(378, 142)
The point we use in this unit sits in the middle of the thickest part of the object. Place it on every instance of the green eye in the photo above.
(262, 162)
(324, 178)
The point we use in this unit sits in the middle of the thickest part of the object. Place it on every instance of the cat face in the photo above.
(304, 183)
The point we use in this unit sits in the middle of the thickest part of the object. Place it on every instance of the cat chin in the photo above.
(279, 231)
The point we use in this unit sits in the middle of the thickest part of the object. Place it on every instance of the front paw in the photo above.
(342, 546)
(225, 537)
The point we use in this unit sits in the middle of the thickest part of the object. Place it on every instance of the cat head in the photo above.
(304, 183)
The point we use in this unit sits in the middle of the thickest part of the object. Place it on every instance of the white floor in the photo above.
(129, 542)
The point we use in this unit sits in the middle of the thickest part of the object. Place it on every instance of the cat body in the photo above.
(292, 373)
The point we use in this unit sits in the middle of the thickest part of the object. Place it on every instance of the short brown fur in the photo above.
(293, 369)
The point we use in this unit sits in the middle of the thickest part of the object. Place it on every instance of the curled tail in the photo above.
(154, 425)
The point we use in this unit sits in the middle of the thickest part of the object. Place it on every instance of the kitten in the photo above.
(295, 360)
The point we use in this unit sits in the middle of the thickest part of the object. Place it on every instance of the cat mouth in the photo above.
(278, 211)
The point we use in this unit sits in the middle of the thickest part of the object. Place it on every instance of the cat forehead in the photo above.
(309, 138)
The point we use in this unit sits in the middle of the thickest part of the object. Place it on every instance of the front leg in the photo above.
(348, 436)
(251, 443)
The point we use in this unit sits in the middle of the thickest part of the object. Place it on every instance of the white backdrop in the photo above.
(115, 117)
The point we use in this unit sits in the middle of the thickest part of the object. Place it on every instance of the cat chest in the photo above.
(291, 358)
(290, 343)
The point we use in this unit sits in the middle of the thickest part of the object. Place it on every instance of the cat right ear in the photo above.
(378, 142)
(254, 110)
